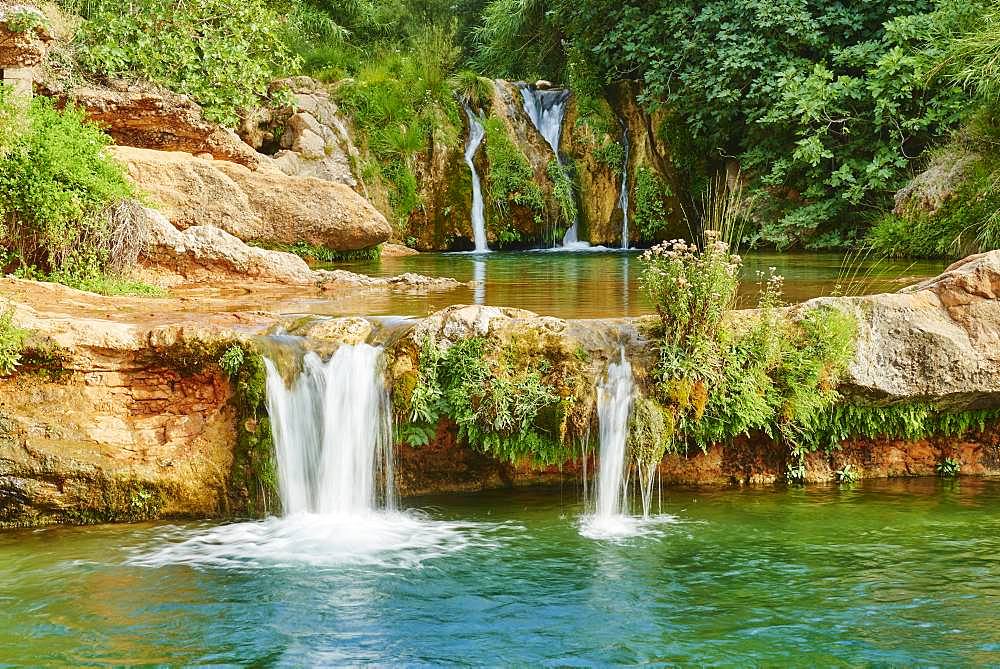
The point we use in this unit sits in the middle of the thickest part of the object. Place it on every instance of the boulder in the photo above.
(261, 206)
(204, 252)
(937, 341)
(147, 117)
(928, 191)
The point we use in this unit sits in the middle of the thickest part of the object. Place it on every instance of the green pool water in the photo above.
(892, 573)
(597, 284)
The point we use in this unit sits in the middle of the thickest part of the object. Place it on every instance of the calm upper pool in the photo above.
(599, 284)
(889, 573)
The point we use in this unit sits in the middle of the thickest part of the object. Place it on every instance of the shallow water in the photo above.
(597, 284)
(890, 573)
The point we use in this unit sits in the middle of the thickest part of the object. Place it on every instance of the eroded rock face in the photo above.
(22, 48)
(206, 253)
(928, 191)
(148, 117)
(308, 137)
(264, 207)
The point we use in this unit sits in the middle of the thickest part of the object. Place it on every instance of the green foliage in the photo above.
(66, 212)
(651, 211)
(222, 53)
(322, 254)
(510, 180)
(846, 420)
(972, 58)
(232, 359)
(948, 468)
(847, 474)
(472, 89)
(518, 39)
(717, 378)
(968, 222)
(824, 104)
(402, 105)
(24, 19)
(11, 342)
(562, 191)
(509, 400)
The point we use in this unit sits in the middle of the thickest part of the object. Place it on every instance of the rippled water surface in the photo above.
(598, 284)
(891, 573)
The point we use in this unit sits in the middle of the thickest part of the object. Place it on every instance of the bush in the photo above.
(650, 212)
(11, 343)
(223, 53)
(562, 191)
(61, 196)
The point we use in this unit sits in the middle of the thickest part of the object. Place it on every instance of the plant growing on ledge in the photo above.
(948, 468)
(720, 375)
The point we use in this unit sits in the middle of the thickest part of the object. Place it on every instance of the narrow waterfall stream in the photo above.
(623, 190)
(547, 109)
(611, 518)
(476, 134)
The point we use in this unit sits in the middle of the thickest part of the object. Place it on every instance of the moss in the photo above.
(510, 179)
(968, 221)
(47, 359)
(563, 192)
(651, 211)
(119, 500)
(312, 253)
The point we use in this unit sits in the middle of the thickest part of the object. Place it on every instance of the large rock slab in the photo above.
(145, 116)
(263, 207)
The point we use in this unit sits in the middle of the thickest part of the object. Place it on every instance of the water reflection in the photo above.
(479, 277)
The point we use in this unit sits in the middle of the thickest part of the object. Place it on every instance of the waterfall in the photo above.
(476, 134)
(614, 403)
(333, 433)
(623, 190)
(546, 109)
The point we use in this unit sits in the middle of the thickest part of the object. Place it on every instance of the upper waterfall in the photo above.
(476, 134)
(547, 109)
(623, 189)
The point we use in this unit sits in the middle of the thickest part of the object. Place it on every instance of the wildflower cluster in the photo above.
(692, 288)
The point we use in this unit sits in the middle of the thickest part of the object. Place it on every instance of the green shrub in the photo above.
(65, 206)
(472, 89)
(562, 191)
(11, 342)
(968, 222)
(651, 210)
(511, 400)
(222, 53)
(510, 178)
(948, 468)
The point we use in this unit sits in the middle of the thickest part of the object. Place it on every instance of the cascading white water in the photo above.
(333, 433)
(547, 109)
(476, 134)
(623, 190)
(614, 403)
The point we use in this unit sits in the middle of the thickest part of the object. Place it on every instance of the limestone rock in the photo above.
(308, 136)
(938, 341)
(22, 48)
(928, 191)
(147, 117)
(204, 252)
(260, 206)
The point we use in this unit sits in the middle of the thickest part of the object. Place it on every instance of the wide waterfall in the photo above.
(623, 190)
(476, 134)
(333, 433)
(547, 109)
